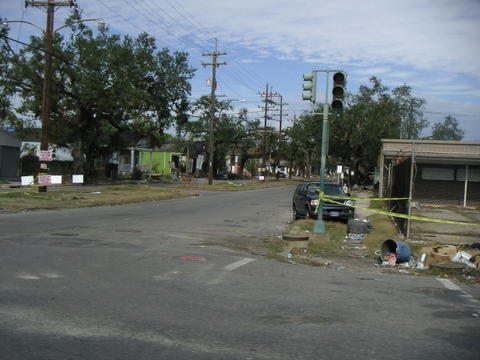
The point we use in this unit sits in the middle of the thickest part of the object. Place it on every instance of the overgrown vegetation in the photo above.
(110, 195)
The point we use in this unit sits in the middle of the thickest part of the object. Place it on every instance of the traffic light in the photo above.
(338, 92)
(310, 86)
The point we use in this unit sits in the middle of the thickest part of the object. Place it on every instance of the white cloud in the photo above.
(431, 45)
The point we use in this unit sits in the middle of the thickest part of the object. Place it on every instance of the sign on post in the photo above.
(45, 155)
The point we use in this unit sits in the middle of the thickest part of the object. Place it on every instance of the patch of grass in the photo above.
(335, 246)
(113, 195)
(318, 244)
(12, 195)
(275, 247)
(299, 227)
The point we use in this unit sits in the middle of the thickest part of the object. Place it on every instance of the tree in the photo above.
(410, 110)
(372, 114)
(234, 134)
(108, 91)
(305, 136)
(448, 129)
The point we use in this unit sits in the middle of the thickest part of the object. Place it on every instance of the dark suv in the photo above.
(305, 202)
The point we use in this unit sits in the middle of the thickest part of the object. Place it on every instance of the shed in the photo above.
(444, 171)
(441, 179)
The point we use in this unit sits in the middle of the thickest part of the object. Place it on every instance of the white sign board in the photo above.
(77, 179)
(56, 179)
(199, 162)
(27, 180)
(339, 169)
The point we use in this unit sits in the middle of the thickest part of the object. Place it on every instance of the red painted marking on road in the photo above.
(192, 258)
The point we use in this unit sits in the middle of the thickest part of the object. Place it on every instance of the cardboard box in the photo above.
(438, 255)
(449, 250)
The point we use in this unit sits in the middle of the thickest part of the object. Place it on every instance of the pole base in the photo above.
(319, 227)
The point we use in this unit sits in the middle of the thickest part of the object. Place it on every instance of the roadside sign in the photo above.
(44, 180)
(45, 155)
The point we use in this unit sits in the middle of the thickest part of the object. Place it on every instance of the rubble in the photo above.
(448, 254)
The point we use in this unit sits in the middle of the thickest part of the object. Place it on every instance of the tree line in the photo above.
(112, 91)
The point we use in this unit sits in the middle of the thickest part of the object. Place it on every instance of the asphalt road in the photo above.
(177, 280)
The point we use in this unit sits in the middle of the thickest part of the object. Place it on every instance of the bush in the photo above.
(136, 174)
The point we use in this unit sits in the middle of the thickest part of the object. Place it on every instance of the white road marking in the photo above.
(475, 304)
(449, 285)
(230, 267)
(237, 264)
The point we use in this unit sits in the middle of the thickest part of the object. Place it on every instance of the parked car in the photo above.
(305, 202)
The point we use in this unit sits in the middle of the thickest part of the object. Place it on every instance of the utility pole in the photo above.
(214, 64)
(265, 135)
(268, 95)
(47, 82)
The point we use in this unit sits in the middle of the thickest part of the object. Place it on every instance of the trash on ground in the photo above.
(357, 226)
(231, 183)
(298, 251)
(390, 260)
(355, 237)
(447, 254)
(391, 247)
(95, 193)
(464, 258)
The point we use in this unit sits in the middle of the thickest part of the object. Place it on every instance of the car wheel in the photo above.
(295, 215)
(307, 213)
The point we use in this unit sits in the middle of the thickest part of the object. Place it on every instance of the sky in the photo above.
(431, 45)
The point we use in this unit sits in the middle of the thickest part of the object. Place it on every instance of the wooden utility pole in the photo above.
(214, 64)
(47, 82)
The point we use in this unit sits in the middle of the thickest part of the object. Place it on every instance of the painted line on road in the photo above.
(237, 264)
(230, 267)
(451, 286)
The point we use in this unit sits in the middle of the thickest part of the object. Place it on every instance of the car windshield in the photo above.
(330, 189)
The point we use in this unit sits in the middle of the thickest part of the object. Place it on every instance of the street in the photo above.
(182, 279)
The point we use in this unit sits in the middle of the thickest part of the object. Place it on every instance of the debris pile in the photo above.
(356, 229)
(449, 254)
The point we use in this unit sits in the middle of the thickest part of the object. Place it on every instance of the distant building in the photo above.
(9, 155)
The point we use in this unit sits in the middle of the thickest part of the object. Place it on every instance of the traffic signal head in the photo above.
(310, 86)
(338, 91)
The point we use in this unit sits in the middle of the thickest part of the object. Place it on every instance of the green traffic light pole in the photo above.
(319, 226)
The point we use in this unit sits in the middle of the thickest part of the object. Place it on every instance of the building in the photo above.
(9, 156)
(446, 172)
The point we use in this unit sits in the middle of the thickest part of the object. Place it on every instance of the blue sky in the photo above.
(431, 45)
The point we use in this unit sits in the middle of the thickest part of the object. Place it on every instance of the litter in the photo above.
(447, 254)
(231, 183)
(390, 260)
(399, 249)
(355, 237)
(357, 226)
(464, 258)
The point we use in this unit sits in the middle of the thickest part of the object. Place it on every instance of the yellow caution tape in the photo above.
(403, 216)
(357, 198)
(371, 199)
